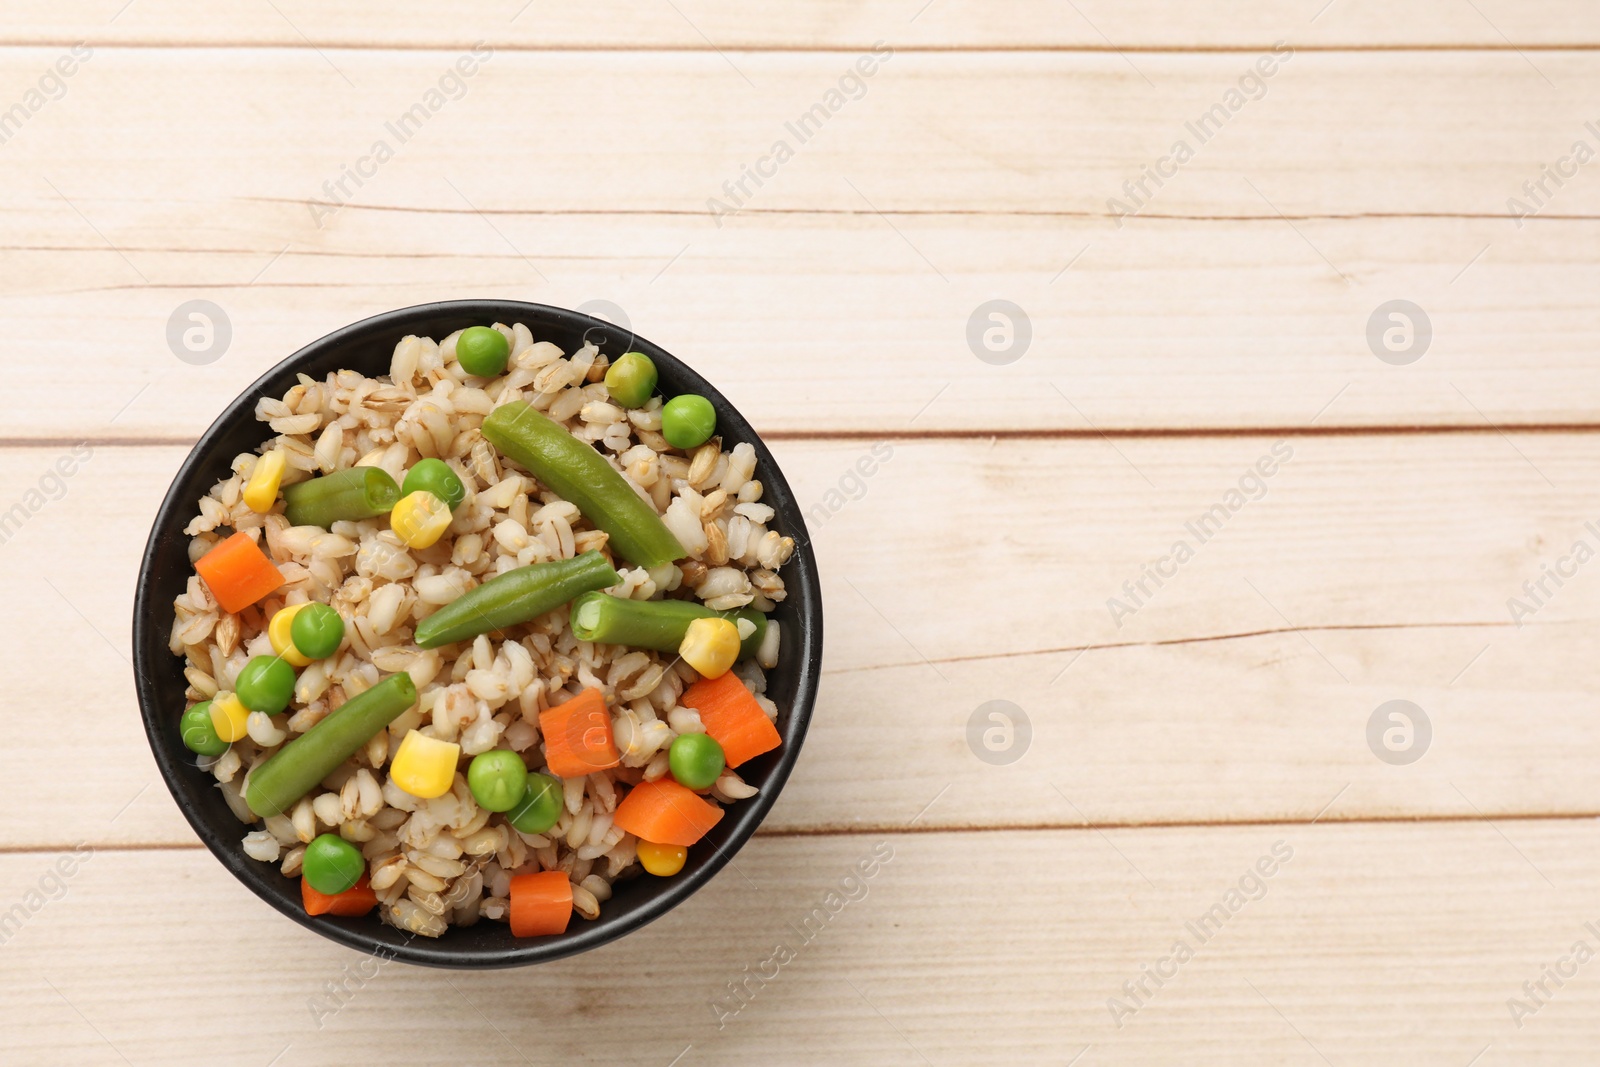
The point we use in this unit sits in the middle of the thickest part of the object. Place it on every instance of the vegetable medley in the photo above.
(409, 679)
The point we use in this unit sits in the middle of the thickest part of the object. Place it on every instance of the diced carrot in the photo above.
(666, 813)
(577, 736)
(357, 900)
(730, 714)
(541, 904)
(238, 573)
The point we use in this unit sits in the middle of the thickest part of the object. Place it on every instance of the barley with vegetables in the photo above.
(479, 638)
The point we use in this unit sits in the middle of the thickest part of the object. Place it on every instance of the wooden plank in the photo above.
(1373, 569)
(700, 24)
(601, 132)
(1263, 321)
(929, 964)
(831, 323)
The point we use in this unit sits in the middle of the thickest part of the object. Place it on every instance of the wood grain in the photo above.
(828, 324)
(1219, 712)
(1372, 944)
(1374, 568)
(1055, 133)
(813, 311)
(708, 24)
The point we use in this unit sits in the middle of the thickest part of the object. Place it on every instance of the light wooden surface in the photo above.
(955, 179)
(1378, 943)
(1171, 747)
(702, 24)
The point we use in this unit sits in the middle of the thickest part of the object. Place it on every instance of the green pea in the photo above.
(198, 732)
(695, 760)
(482, 351)
(498, 779)
(266, 683)
(688, 421)
(316, 631)
(631, 380)
(435, 476)
(540, 806)
(332, 864)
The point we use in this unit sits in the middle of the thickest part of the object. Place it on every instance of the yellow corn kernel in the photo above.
(710, 646)
(420, 519)
(261, 491)
(282, 643)
(424, 766)
(228, 718)
(662, 860)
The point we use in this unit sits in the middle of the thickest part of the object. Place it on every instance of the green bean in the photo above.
(654, 624)
(519, 595)
(579, 475)
(295, 770)
(357, 493)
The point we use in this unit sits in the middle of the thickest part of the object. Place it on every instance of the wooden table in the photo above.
(1213, 842)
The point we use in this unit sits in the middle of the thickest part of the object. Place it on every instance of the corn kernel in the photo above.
(228, 717)
(282, 643)
(420, 519)
(261, 491)
(710, 646)
(662, 860)
(424, 766)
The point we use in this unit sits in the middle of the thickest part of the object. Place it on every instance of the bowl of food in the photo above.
(477, 634)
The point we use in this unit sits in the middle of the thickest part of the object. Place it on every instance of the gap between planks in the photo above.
(929, 212)
(784, 49)
(879, 829)
(994, 433)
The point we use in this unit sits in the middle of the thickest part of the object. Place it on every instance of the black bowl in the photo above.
(367, 347)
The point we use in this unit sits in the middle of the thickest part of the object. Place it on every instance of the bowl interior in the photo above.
(367, 347)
